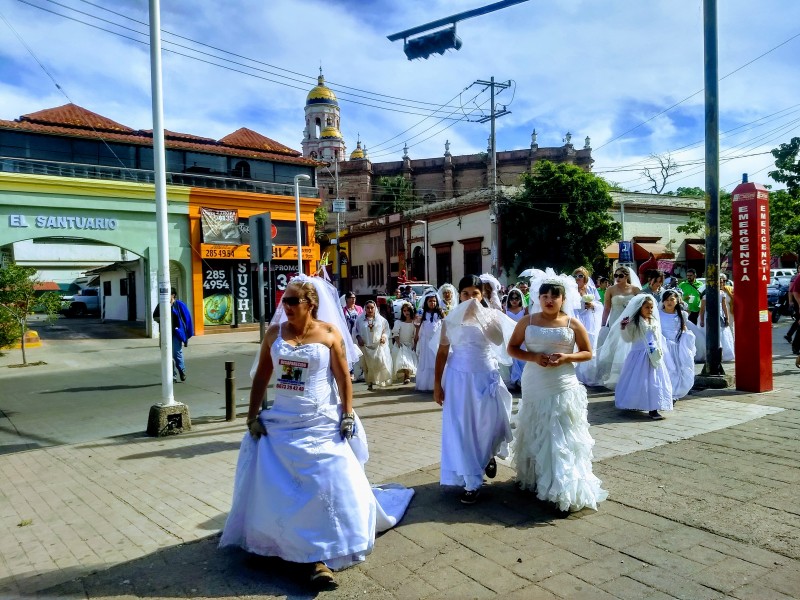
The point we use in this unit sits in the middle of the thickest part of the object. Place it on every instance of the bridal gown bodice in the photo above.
(550, 340)
(618, 304)
(474, 351)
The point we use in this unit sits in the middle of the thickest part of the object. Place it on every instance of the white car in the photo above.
(420, 289)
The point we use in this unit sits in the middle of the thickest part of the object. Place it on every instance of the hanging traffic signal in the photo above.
(433, 43)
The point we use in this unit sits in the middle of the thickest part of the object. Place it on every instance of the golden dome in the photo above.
(321, 94)
(330, 132)
(358, 153)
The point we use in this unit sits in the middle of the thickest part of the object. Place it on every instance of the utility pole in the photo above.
(338, 227)
(493, 216)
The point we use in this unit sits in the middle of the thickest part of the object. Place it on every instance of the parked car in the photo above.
(778, 301)
(87, 301)
(420, 289)
(782, 272)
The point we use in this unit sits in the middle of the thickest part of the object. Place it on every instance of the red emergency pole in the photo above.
(751, 261)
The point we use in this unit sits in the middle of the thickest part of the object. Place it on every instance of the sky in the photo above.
(627, 74)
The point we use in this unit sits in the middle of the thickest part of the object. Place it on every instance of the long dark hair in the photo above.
(638, 316)
(668, 294)
(472, 281)
(436, 310)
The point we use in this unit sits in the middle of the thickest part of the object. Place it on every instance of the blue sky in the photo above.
(596, 69)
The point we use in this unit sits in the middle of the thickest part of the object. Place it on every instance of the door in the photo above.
(131, 296)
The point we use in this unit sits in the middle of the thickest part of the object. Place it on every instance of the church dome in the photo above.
(358, 153)
(321, 94)
(330, 132)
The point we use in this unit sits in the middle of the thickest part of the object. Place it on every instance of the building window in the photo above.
(242, 170)
(106, 288)
(123, 287)
(444, 264)
(351, 203)
(473, 262)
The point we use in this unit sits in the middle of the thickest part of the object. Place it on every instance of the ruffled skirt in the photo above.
(404, 359)
(552, 447)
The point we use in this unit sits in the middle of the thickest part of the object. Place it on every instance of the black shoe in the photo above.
(491, 469)
(182, 375)
(788, 338)
(470, 496)
(655, 415)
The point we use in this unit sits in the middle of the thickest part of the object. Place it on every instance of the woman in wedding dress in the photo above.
(644, 382)
(476, 405)
(516, 308)
(726, 340)
(611, 356)
(552, 447)
(588, 311)
(680, 344)
(300, 491)
(372, 335)
(448, 297)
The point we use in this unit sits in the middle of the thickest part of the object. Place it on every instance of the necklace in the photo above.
(299, 338)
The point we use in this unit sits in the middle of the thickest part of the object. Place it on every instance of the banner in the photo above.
(220, 226)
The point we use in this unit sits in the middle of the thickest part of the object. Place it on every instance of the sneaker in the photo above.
(788, 338)
(321, 575)
(470, 496)
(406, 380)
(491, 469)
(655, 415)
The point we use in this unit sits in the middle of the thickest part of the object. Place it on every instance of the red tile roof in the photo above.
(46, 286)
(72, 120)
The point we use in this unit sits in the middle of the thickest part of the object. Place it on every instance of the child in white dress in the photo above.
(644, 382)
(429, 321)
(680, 344)
(404, 360)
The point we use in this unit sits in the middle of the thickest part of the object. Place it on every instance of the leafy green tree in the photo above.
(320, 218)
(784, 218)
(394, 196)
(696, 225)
(17, 300)
(559, 219)
(687, 192)
(788, 166)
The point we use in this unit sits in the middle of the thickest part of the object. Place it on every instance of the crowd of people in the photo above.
(300, 489)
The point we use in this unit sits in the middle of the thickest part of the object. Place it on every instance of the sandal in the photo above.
(797, 361)
(491, 469)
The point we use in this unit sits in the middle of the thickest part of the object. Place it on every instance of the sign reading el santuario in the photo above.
(62, 222)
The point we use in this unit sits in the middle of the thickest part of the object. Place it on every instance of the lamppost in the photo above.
(297, 180)
(426, 247)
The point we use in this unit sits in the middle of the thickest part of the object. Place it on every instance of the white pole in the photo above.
(165, 310)
(297, 179)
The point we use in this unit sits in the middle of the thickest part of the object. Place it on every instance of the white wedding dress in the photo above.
(641, 385)
(552, 447)
(426, 366)
(300, 492)
(679, 354)
(612, 351)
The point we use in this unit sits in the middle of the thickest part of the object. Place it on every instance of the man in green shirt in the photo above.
(691, 289)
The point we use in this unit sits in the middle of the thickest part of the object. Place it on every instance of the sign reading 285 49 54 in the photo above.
(216, 251)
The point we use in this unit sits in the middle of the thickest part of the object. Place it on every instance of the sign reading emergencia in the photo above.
(53, 222)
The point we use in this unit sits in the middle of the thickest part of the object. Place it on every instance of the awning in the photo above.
(612, 250)
(642, 251)
(695, 251)
(666, 265)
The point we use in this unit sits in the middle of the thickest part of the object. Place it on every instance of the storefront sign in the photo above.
(210, 251)
(242, 276)
(217, 294)
(63, 222)
(220, 226)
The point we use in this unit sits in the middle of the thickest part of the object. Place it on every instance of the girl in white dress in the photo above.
(516, 308)
(588, 311)
(644, 382)
(404, 359)
(552, 447)
(448, 297)
(430, 321)
(680, 344)
(476, 424)
(300, 491)
(372, 334)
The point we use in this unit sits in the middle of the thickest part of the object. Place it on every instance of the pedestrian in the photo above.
(552, 447)
(300, 491)
(793, 335)
(351, 311)
(726, 341)
(691, 290)
(404, 359)
(516, 309)
(610, 356)
(588, 311)
(430, 321)
(372, 335)
(644, 382)
(680, 344)
(491, 291)
(523, 287)
(476, 405)
(654, 283)
(602, 286)
(182, 331)
(448, 297)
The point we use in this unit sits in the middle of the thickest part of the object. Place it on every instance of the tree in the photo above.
(788, 166)
(784, 218)
(17, 300)
(697, 221)
(395, 196)
(559, 219)
(667, 167)
(320, 218)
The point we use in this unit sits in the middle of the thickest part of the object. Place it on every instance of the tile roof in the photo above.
(71, 120)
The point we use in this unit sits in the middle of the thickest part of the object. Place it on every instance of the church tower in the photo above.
(321, 137)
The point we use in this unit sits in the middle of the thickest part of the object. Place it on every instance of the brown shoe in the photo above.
(321, 575)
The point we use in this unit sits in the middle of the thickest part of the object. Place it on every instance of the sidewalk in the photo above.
(702, 505)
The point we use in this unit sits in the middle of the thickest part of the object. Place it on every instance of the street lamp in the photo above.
(426, 247)
(297, 180)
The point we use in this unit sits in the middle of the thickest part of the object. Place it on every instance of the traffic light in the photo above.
(436, 42)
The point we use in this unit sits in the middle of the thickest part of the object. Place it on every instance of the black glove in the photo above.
(347, 426)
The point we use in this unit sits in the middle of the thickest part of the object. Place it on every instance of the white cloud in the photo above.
(595, 69)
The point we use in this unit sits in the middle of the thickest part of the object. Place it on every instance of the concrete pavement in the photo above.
(702, 505)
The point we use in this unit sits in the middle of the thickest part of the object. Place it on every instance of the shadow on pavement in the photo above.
(186, 451)
(100, 388)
